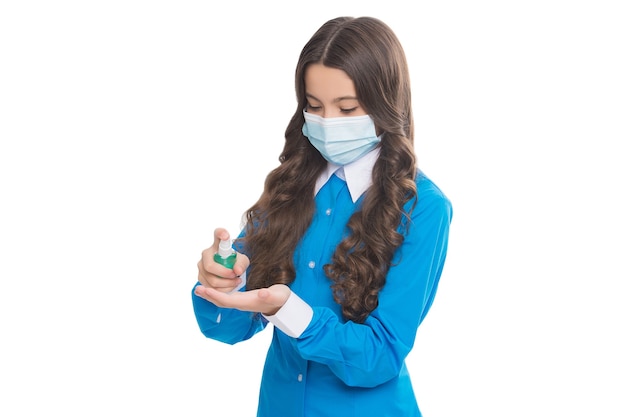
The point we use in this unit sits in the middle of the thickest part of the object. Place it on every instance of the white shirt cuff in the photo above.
(293, 317)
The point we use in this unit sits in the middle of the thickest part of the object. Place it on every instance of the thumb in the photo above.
(219, 234)
(276, 295)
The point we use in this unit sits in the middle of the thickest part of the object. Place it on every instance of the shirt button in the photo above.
(328, 211)
(299, 377)
(311, 264)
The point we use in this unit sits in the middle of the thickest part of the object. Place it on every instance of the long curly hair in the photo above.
(368, 51)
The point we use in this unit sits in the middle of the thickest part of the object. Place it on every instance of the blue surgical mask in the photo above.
(341, 140)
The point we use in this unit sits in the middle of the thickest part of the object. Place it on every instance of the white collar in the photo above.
(357, 174)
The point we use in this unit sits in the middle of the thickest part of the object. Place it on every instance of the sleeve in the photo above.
(224, 324)
(293, 317)
(372, 353)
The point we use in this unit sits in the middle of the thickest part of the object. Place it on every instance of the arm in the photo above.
(225, 324)
(222, 324)
(371, 353)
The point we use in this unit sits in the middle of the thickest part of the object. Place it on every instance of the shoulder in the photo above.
(430, 198)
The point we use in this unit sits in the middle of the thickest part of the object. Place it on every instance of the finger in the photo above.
(207, 261)
(266, 300)
(202, 278)
(217, 281)
(275, 296)
(241, 264)
(207, 266)
(224, 284)
(219, 234)
(244, 301)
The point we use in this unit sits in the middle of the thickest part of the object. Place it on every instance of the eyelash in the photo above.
(317, 108)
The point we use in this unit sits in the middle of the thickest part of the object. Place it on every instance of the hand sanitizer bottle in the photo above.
(225, 255)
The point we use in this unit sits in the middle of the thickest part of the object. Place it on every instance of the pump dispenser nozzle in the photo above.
(225, 249)
(225, 255)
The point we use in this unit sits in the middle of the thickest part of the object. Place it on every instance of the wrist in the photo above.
(293, 317)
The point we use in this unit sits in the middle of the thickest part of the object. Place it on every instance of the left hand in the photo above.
(265, 300)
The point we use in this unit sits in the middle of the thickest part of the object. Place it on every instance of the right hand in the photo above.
(216, 276)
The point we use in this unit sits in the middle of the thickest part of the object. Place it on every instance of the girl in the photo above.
(344, 249)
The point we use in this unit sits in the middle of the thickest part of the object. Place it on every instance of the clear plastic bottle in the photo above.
(225, 254)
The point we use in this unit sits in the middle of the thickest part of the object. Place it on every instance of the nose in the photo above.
(327, 114)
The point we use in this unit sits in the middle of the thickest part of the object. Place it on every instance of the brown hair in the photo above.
(370, 53)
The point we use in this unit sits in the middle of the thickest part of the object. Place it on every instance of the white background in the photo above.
(131, 129)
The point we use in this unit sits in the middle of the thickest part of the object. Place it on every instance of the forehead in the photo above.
(325, 83)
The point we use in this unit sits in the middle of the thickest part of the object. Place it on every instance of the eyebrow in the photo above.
(338, 99)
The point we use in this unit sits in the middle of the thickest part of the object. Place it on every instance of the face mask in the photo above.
(341, 140)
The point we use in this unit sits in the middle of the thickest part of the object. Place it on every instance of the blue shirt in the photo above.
(338, 368)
